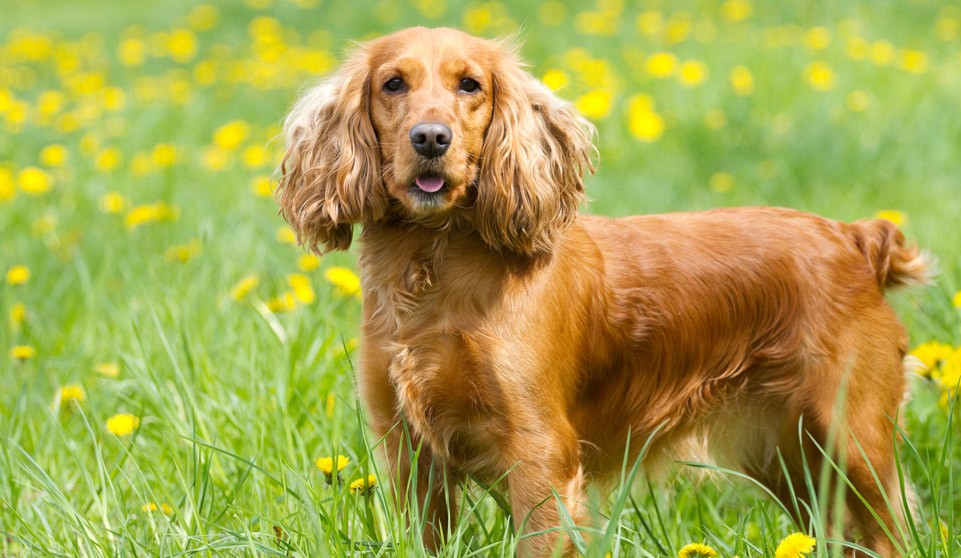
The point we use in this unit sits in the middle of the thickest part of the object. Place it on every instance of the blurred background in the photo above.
(147, 274)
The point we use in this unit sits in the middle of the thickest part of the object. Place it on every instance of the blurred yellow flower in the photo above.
(23, 352)
(899, 218)
(33, 181)
(151, 507)
(736, 10)
(302, 287)
(18, 314)
(71, 394)
(255, 156)
(914, 61)
(346, 281)
(216, 158)
(114, 99)
(595, 104)
(308, 262)
(183, 253)
(122, 424)
(54, 155)
(8, 189)
(285, 235)
(108, 369)
(181, 45)
(650, 22)
(131, 52)
(552, 13)
(18, 275)
(261, 186)
(642, 121)
(108, 159)
(721, 182)
(956, 300)
(592, 22)
(231, 135)
(363, 485)
(283, 303)
(697, 550)
(692, 73)
(817, 38)
(857, 101)
(742, 81)
(882, 53)
(795, 545)
(555, 79)
(151, 213)
(661, 64)
(856, 48)
(820, 76)
(163, 155)
(240, 291)
(112, 202)
(203, 17)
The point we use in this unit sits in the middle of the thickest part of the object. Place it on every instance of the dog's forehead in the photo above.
(432, 46)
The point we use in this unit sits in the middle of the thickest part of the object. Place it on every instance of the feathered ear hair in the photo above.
(331, 170)
(532, 163)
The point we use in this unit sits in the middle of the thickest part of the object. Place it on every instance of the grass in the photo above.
(238, 395)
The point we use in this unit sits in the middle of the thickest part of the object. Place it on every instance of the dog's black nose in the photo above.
(430, 139)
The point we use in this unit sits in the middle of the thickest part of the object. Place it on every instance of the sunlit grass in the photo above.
(174, 365)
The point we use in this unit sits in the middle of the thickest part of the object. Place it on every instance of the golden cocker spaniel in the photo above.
(517, 339)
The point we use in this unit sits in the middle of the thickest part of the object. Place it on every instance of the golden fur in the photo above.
(517, 339)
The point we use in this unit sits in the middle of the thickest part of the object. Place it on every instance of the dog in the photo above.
(507, 337)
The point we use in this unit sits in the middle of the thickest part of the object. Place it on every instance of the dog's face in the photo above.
(423, 123)
(431, 102)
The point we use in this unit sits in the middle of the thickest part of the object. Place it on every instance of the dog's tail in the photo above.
(893, 263)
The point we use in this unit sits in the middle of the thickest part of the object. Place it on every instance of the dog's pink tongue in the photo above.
(429, 183)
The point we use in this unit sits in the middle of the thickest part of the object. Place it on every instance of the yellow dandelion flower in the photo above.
(8, 189)
(231, 135)
(820, 76)
(183, 253)
(132, 52)
(642, 121)
(18, 275)
(302, 287)
(914, 61)
(661, 64)
(255, 156)
(108, 369)
(18, 314)
(244, 287)
(346, 281)
(181, 45)
(856, 48)
(742, 81)
(114, 99)
(696, 550)
(23, 352)
(122, 424)
(327, 464)
(50, 103)
(54, 155)
(151, 213)
(283, 303)
(882, 53)
(817, 38)
(33, 181)
(71, 394)
(364, 485)
(899, 218)
(956, 300)
(795, 545)
(261, 186)
(595, 104)
(692, 73)
(44, 224)
(650, 22)
(555, 79)
(112, 202)
(308, 263)
(330, 405)
(721, 182)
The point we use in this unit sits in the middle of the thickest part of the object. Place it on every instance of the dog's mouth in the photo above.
(429, 183)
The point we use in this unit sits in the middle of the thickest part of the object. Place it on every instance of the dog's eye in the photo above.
(468, 85)
(395, 85)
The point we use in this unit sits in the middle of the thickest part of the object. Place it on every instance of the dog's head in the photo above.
(425, 123)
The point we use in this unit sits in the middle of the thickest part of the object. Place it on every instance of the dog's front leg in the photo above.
(539, 485)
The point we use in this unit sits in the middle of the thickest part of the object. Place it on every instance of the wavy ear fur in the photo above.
(534, 155)
(331, 170)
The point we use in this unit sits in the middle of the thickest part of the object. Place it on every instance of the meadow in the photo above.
(177, 374)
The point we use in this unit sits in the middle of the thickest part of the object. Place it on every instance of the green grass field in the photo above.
(172, 364)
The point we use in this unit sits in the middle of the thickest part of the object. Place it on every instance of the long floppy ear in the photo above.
(535, 153)
(331, 170)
